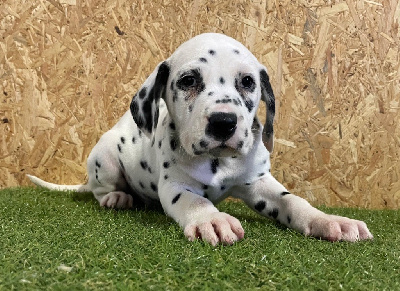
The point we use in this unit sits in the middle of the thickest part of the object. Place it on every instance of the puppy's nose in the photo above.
(221, 126)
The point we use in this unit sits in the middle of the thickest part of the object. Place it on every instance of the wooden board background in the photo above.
(68, 69)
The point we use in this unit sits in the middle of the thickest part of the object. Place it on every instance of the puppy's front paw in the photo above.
(338, 228)
(215, 228)
(117, 200)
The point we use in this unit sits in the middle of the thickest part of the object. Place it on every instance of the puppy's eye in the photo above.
(188, 81)
(248, 82)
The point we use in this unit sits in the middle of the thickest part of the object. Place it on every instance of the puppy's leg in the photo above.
(270, 198)
(106, 179)
(198, 216)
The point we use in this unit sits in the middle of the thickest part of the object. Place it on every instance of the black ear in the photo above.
(144, 105)
(267, 95)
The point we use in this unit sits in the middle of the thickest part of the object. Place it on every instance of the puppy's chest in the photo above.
(218, 175)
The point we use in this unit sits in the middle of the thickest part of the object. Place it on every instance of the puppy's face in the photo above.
(212, 86)
(212, 94)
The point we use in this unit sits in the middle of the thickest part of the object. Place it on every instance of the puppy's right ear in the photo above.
(267, 95)
(144, 105)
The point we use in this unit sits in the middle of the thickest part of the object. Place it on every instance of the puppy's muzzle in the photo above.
(221, 126)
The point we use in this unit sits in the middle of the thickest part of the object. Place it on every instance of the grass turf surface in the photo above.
(44, 234)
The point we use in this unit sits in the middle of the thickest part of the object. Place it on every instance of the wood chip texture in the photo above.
(69, 68)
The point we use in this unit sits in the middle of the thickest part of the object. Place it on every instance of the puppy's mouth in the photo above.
(219, 150)
(223, 151)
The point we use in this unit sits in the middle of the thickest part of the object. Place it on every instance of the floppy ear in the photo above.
(144, 105)
(267, 95)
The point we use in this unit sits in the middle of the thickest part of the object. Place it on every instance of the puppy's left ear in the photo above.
(267, 95)
(145, 104)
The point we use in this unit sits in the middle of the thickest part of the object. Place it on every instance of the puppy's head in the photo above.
(212, 86)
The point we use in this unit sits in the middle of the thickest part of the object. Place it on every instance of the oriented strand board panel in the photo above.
(68, 70)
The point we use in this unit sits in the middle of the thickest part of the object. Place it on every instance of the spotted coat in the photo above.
(191, 138)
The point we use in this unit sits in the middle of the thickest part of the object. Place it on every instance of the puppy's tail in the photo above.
(51, 186)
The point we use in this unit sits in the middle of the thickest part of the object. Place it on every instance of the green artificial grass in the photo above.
(65, 241)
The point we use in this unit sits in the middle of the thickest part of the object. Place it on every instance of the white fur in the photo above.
(179, 163)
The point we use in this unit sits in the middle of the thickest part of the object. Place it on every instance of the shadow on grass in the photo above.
(154, 214)
(85, 197)
(141, 213)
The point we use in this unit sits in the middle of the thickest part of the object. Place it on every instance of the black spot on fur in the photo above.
(141, 185)
(214, 165)
(223, 187)
(176, 198)
(150, 171)
(133, 140)
(174, 96)
(205, 187)
(134, 106)
(172, 126)
(211, 52)
(143, 164)
(274, 213)
(156, 115)
(210, 93)
(289, 219)
(166, 177)
(285, 193)
(173, 144)
(190, 108)
(236, 102)
(166, 165)
(236, 51)
(240, 145)
(246, 133)
(222, 80)
(261, 174)
(147, 112)
(143, 92)
(260, 206)
(98, 164)
(121, 164)
(196, 151)
(159, 144)
(119, 148)
(153, 187)
(203, 60)
(203, 144)
(248, 184)
(249, 104)
(224, 101)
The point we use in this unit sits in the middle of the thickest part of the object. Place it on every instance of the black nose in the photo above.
(221, 126)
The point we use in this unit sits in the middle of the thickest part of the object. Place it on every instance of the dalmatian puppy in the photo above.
(192, 138)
